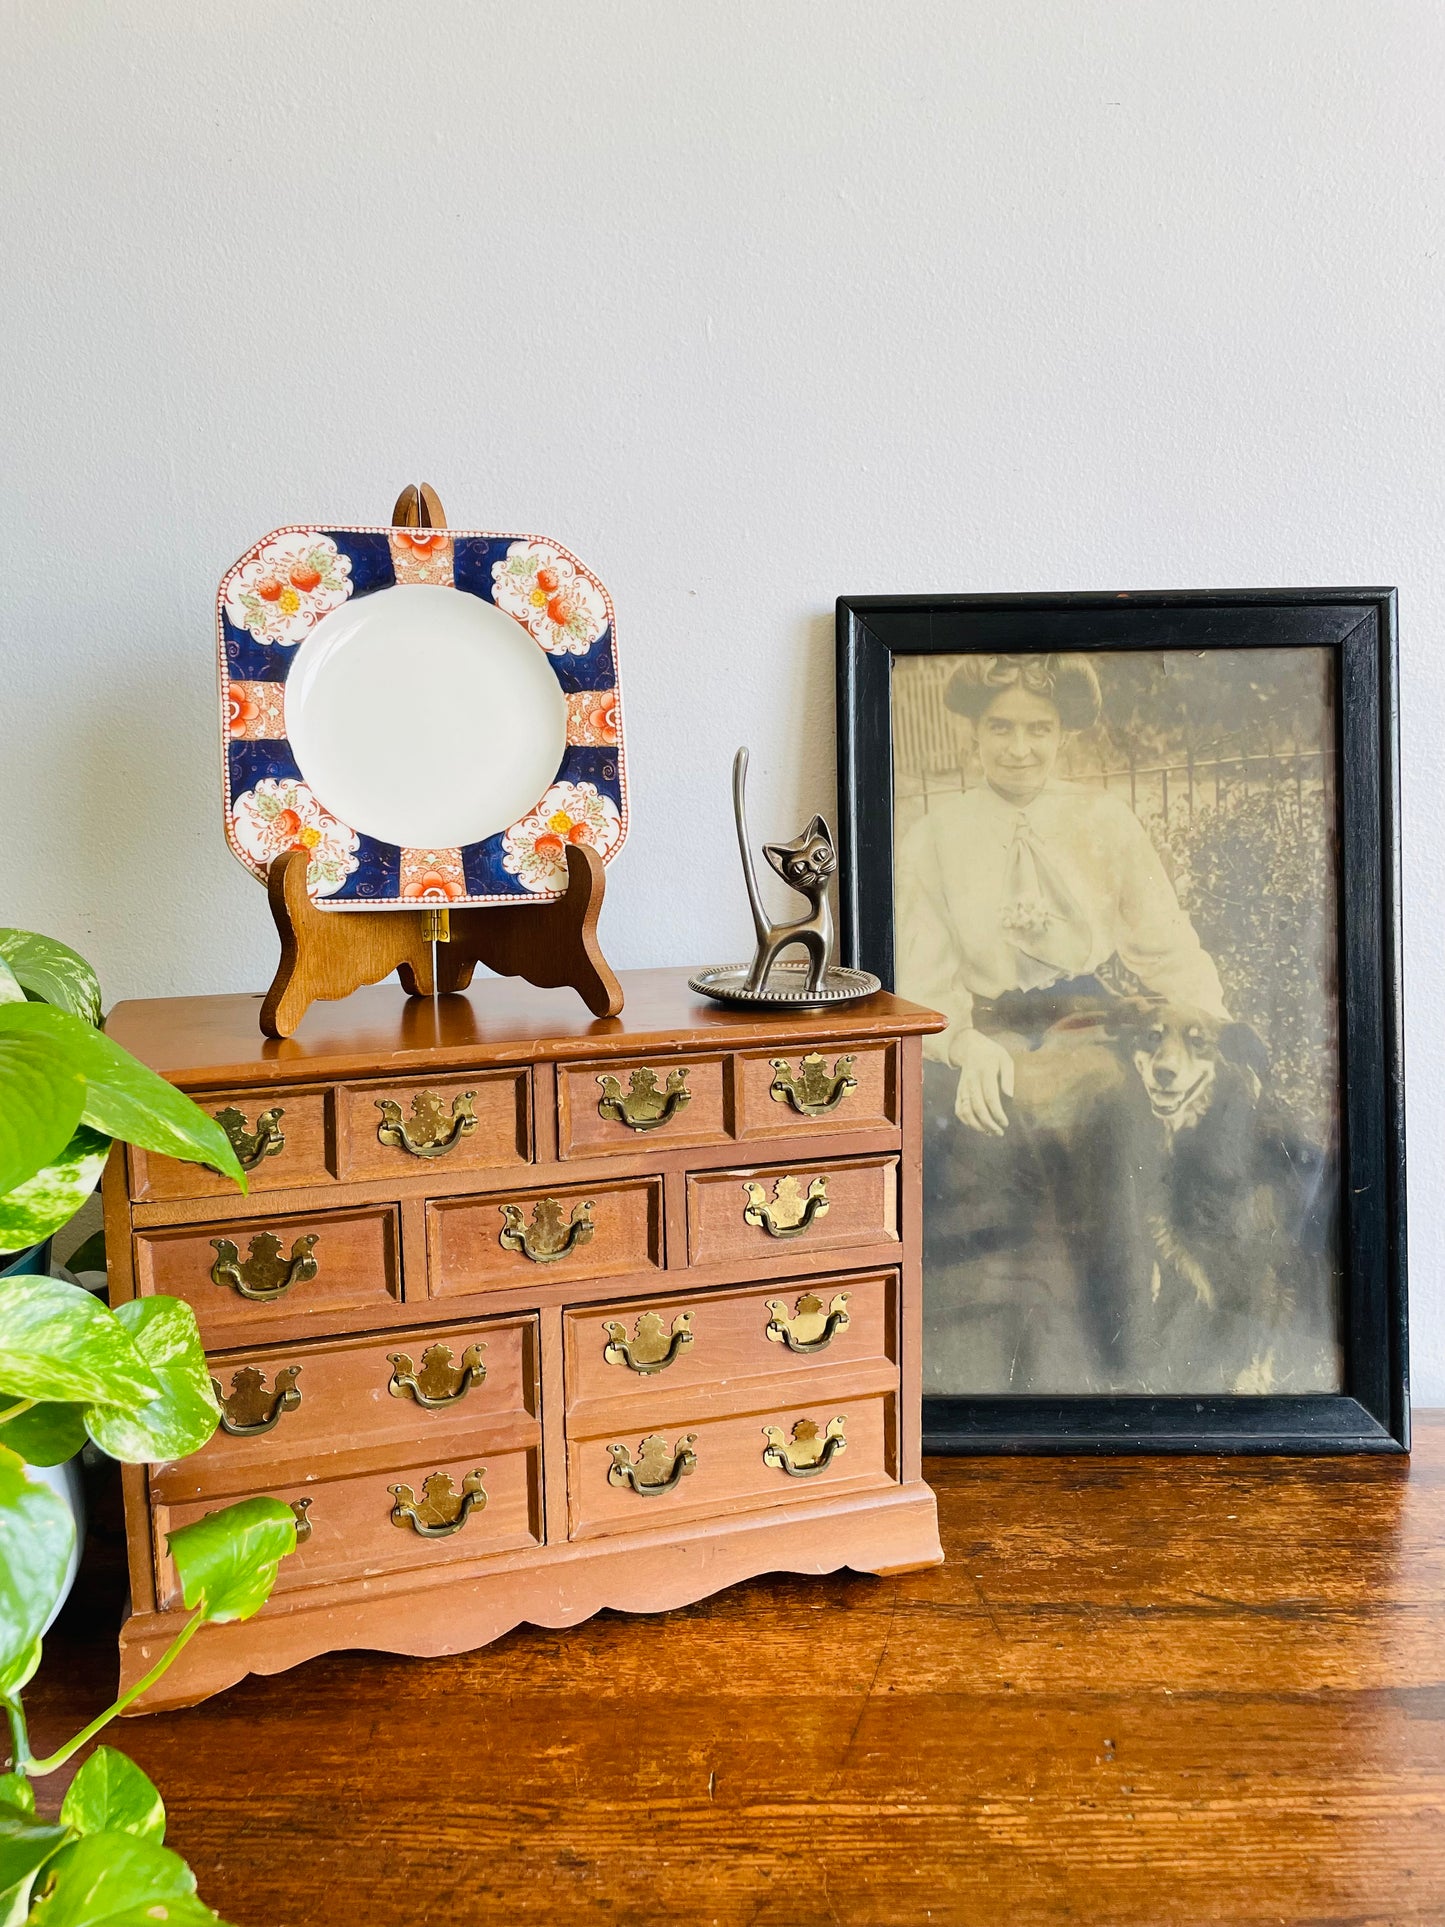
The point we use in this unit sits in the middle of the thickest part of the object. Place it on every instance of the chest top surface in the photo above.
(199, 1041)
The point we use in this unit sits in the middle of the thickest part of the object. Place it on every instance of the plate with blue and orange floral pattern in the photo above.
(432, 714)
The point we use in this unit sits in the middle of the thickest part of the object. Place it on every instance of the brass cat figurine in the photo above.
(805, 864)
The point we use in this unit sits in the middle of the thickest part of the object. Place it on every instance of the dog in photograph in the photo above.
(1239, 1203)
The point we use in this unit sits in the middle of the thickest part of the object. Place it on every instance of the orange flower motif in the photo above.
(431, 887)
(550, 846)
(602, 717)
(241, 709)
(422, 542)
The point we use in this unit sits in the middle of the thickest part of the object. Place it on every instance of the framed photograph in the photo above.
(1141, 852)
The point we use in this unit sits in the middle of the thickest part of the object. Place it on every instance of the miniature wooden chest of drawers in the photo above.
(529, 1313)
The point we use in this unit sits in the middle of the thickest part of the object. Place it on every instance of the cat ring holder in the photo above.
(806, 865)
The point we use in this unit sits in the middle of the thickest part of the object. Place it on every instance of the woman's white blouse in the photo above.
(1096, 885)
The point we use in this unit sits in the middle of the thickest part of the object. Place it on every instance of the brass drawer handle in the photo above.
(549, 1236)
(248, 1409)
(302, 1509)
(432, 1131)
(645, 1107)
(439, 1382)
(441, 1510)
(808, 1452)
(266, 1141)
(265, 1274)
(811, 1091)
(651, 1348)
(809, 1328)
(789, 1213)
(658, 1466)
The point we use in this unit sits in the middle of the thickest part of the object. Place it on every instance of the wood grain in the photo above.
(862, 1198)
(304, 1158)
(329, 954)
(728, 1337)
(355, 1253)
(1147, 1693)
(212, 1043)
(501, 1104)
(348, 1416)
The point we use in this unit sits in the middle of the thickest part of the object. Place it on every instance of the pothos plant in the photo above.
(134, 1381)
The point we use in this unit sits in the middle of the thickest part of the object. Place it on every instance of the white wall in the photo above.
(751, 304)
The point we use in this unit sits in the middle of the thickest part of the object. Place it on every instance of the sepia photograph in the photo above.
(1116, 876)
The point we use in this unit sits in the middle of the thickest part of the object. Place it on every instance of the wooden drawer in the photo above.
(388, 1128)
(594, 1102)
(286, 1133)
(339, 1406)
(729, 1212)
(730, 1472)
(352, 1258)
(352, 1535)
(712, 1338)
(806, 1093)
(466, 1252)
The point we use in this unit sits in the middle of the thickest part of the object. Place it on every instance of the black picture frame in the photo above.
(1371, 1413)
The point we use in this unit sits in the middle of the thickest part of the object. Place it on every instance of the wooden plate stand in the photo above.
(326, 954)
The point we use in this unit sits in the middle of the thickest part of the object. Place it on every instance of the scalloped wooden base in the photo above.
(455, 1609)
(326, 954)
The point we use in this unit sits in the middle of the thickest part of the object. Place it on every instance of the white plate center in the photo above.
(425, 717)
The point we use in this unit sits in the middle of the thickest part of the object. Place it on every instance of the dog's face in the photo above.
(1178, 1052)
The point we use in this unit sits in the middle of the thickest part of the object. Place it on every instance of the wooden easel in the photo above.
(326, 954)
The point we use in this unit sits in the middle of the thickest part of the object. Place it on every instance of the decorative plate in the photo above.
(433, 714)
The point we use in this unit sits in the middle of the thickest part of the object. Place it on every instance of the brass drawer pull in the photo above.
(651, 1348)
(808, 1452)
(266, 1141)
(789, 1214)
(439, 1382)
(302, 1509)
(645, 1107)
(809, 1328)
(811, 1091)
(441, 1510)
(432, 1131)
(658, 1466)
(265, 1274)
(248, 1409)
(549, 1236)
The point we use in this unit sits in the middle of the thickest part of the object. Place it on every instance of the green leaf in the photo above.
(182, 1910)
(26, 1844)
(185, 1415)
(228, 1560)
(57, 1341)
(47, 1434)
(18, 1672)
(111, 1794)
(122, 1096)
(17, 1791)
(51, 1198)
(11, 990)
(52, 972)
(42, 1093)
(37, 1537)
(107, 1877)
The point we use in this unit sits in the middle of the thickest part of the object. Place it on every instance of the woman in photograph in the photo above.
(1013, 895)
(1011, 898)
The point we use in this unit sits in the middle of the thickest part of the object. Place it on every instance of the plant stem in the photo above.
(14, 1411)
(38, 1768)
(19, 1736)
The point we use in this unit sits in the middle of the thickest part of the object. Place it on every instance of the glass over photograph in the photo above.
(1116, 875)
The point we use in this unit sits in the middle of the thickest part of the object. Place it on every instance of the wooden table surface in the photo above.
(1139, 1693)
